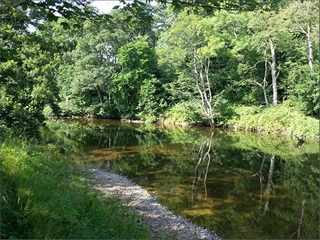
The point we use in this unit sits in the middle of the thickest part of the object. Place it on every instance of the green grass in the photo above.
(280, 119)
(45, 195)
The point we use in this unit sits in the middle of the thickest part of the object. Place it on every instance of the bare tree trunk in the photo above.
(265, 83)
(99, 94)
(307, 33)
(201, 71)
(269, 184)
(301, 220)
(310, 49)
(274, 74)
(204, 156)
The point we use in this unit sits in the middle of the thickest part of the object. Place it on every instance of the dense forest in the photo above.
(161, 63)
(241, 64)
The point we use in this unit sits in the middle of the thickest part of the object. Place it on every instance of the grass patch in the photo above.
(44, 195)
(280, 119)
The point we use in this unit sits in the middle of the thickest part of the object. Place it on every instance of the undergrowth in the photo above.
(184, 112)
(44, 195)
(280, 119)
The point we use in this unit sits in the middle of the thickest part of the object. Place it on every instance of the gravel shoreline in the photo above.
(160, 219)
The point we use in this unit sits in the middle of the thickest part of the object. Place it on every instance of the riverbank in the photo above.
(281, 120)
(45, 195)
(162, 222)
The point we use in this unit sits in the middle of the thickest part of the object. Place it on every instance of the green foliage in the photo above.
(150, 102)
(306, 97)
(185, 112)
(222, 110)
(27, 73)
(117, 70)
(135, 84)
(44, 195)
(52, 10)
(281, 119)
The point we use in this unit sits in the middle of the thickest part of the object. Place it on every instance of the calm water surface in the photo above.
(238, 185)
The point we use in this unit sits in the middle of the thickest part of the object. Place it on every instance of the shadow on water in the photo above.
(237, 184)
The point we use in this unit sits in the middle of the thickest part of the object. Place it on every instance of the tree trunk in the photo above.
(99, 94)
(310, 50)
(274, 74)
(265, 83)
(201, 71)
(269, 184)
(308, 10)
(204, 158)
(301, 218)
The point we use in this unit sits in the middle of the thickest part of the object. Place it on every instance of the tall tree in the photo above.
(27, 75)
(301, 65)
(193, 47)
(269, 35)
(135, 84)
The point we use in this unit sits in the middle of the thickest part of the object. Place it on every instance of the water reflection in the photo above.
(239, 185)
(202, 166)
(267, 192)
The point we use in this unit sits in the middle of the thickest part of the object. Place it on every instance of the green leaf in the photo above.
(76, 25)
(24, 6)
(65, 25)
(51, 17)
(128, 19)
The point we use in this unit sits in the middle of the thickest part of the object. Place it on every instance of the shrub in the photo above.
(282, 119)
(185, 112)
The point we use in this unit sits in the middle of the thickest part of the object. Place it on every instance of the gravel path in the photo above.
(160, 219)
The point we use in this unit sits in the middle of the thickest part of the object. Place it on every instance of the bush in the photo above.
(282, 119)
(185, 112)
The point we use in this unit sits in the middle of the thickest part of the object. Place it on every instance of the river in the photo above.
(240, 185)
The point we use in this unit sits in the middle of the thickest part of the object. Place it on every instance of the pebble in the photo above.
(139, 200)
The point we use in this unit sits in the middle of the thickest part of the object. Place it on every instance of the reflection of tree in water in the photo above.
(202, 167)
(111, 141)
(266, 194)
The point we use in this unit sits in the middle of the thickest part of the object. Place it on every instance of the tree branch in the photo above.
(13, 4)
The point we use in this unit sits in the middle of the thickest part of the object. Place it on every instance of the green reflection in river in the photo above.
(239, 185)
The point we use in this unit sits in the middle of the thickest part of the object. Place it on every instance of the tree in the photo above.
(135, 83)
(27, 75)
(87, 71)
(302, 22)
(211, 5)
(85, 76)
(191, 46)
(50, 10)
(268, 38)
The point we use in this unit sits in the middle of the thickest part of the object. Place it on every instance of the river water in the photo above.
(240, 185)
